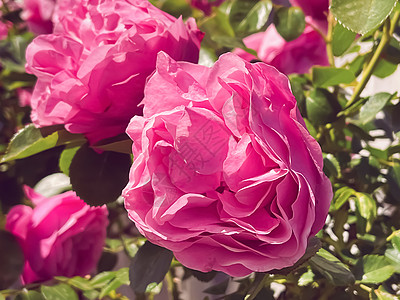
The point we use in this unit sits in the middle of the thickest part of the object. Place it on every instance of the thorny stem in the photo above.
(388, 30)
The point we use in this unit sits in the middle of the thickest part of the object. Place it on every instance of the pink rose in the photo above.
(206, 5)
(92, 70)
(60, 236)
(225, 174)
(296, 56)
(38, 15)
(24, 97)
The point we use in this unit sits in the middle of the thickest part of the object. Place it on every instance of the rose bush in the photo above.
(92, 70)
(60, 236)
(225, 174)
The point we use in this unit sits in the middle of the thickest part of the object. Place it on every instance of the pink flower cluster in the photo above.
(296, 56)
(91, 71)
(60, 236)
(225, 174)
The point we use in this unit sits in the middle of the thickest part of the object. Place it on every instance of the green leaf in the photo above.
(66, 158)
(53, 184)
(256, 18)
(11, 259)
(30, 140)
(361, 16)
(331, 268)
(393, 255)
(373, 105)
(384, 68)
(331, 165)
(102, 279)
(365, 211)
(289, 22)
(60, 291)
(207, 57)
(395, 240)
(2, 297)
(373, 269)
(239, 10)
(328, 76)
(122, 277)
(318, 107)
(149, 265)
(342, 195)
(77, 282)
(29, 295)
(98, 178)
(342, 39)
(306, 278)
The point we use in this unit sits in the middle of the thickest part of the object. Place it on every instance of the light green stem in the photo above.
(388, 30)
(328, 40)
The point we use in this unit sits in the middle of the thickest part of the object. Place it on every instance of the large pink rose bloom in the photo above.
(60, 236)
(92, 70)
(225, 174)
(38, 15)
(296, 56)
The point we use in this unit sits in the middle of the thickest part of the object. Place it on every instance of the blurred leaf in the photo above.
(384, 68)
(29, 141)
(256, 18)
(77, 282)
(100, 280)
(11, 259)
(53, 184)
(238, 11)
(380, 294)
(177, 8)
(232, 42)
(218, 288)
(92, 295)
(98, 178)
(122, 144)
(150, 264)
(2, 297)
(306, 278)
(122, 277)
(373, 269)
(318, 106)
(311, 128)
(328, 76)
(365, 211)
(393, 255)
(356, 65)
(342, 195)
(361, 16)
(29, 295)
(289, 22)
(373, 105)
(60, 291)
(154, 288)
(66, 158)
(207, 57)
(331, 268)
(342, 39)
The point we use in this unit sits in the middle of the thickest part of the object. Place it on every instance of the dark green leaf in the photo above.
(331, 165)
(361, 16)
(380, 294)
(11, 259)
(356, 65)
(66, 158)
(373, 105)
(342, 39)
(373, 269)
(150, 264)
(289, 22)
(318, 107)
(331, 268)
(256, 18)
(328, 76)
(239, 10)
(30, 140)
(60, 291)
(99, 178)
(384, 68)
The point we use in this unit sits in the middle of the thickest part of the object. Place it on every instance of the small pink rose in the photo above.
(296, 56)
(225, 174)
(92, 70)
(38, 15)
(60, 236)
